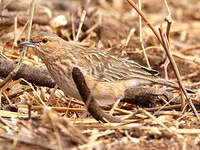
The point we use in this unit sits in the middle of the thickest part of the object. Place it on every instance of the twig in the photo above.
(164, 46)
(17, 36)
(31, 19)
(175, 68)
(146, 20)
(141, 36)
(41, 101)
(176, 106)
(132, 31)
(114, 107)
(164, 106)
(73, 26)
(15, 32)
(169, 23)
(29, 110)
(81, 24)
(159, 122)
(23, 53)
(52, 94)
(86, 35)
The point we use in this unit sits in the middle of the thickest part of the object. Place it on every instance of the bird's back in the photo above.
(104, 66)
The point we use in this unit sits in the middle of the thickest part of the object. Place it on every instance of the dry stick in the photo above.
(50, 99)
(175, 68)
(159, 39)
(114, 106)
(73, 26)
(158, 121)
(132, 31)
(176, 106)
(92, 28)
(68, 106)
(141, 36)
(58, 109)
(4, 56)
(15, 32)
(29, 110)
(18, 36)
(55, 129)
(146, 20)
(80, 25)
(85, 93)
(23, 53)
(5, 95)
(31, 19)
(166, 63)
(168, 20)
(41, 101)
(169, 24)
(162, 107)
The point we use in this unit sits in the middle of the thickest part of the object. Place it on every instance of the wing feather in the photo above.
(101, 65)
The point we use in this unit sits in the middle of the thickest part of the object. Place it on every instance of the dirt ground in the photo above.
(113, 25)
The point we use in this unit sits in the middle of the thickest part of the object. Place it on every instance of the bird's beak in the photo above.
(28, 43)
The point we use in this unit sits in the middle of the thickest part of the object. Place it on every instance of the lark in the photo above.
(106, 75)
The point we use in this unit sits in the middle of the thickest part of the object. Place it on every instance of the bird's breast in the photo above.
(62, 74)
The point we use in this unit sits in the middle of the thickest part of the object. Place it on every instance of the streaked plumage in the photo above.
(113, 75)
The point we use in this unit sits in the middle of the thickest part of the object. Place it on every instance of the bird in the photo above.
(106, 75)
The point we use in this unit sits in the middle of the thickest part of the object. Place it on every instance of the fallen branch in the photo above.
(35, 75)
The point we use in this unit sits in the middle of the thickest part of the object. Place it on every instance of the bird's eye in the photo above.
(45, 40)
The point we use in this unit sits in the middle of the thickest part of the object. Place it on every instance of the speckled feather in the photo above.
(114, 75)
(96, 62)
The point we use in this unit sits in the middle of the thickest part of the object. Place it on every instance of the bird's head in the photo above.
(44, 43)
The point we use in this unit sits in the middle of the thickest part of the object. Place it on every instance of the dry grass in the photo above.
(59, 122)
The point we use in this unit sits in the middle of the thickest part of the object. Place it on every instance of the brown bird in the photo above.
(107, 76)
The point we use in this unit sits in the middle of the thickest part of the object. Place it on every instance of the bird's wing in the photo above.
(104, 66)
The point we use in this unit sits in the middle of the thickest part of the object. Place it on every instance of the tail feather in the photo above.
(171, 84)
(161, 81)
(151, 71)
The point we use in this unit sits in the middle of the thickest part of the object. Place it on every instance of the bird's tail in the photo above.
(171, 84)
